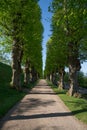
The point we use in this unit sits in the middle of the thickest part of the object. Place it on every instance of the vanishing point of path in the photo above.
(41, 109)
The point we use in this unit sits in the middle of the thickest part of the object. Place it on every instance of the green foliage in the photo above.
(82, 80)
(69, 21)
(69, 31)
(32, 47)
(5, 73)
(8, 97)
(66, 77)
(21, 20)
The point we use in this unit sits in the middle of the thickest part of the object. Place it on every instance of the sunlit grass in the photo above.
(78, 106)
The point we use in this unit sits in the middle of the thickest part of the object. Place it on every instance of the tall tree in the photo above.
(32, 47)
(16, 22)
(70, 21)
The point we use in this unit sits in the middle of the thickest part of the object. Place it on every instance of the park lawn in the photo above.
(78, 106)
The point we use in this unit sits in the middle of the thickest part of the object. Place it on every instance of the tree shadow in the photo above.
(84, 96)
(36, 116)
(18, 115)
(79, 104)
(41, 85)
(49, 92)
(45, 93)
(47, 115)
(42, 127)
(79, 111)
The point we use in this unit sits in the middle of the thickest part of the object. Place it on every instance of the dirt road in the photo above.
(41, 109)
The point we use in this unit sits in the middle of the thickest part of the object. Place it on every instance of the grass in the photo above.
(78, 106)
(8, 97)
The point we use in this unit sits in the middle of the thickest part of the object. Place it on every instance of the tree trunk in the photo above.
(73, 80)
(16, 66)
(17, 52)
(31, 77)
(33, 73)
(54, 78)
(27, 73)
(73, 69)
(48, 77)
(74, 66)
(51, 77)
(37, 76)
(61, 79)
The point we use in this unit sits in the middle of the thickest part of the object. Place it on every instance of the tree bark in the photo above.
(34, 74)
(31, 76)
(48, 77)
(27, 73)
(17, 52)
(51, 77)
(74, 67)
(61, 79)
(16, 66)
(73, 81)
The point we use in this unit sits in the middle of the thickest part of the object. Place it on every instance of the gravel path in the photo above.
(41, 109)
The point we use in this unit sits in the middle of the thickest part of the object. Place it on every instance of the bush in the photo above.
(82, 80)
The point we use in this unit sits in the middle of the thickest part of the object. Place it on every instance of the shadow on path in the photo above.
(38, 116)
(48, 115)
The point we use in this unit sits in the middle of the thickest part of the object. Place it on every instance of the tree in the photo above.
(11, 26)
(32, 47)
(16, 22)
(55, 64)
(70, 22)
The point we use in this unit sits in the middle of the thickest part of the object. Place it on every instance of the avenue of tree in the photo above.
(67, 47)
(21, 35)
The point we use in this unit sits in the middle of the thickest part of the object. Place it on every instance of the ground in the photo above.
(40, 109)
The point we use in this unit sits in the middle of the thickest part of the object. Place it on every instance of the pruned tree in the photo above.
(69, 25)
(20, 21)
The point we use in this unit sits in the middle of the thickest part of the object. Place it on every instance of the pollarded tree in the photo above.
(50, 60)
(32, 47)
(56, 60)
(11, 22)
(70, 17)
(60, 55)
(16, 22)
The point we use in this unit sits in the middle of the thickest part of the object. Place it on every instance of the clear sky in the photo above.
(46, 20)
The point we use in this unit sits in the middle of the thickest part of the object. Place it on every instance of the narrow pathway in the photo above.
(41, 109)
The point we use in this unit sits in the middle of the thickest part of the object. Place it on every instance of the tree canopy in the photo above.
(69, 37)
(21, 30)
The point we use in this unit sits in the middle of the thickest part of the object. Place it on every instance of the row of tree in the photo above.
(68, 44)
(21, 34)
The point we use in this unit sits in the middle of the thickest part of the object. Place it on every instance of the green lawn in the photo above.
(78, 106)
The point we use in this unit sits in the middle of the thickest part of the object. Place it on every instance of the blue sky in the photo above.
(46, 19)
(84, 67)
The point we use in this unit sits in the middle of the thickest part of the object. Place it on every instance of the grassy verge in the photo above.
(8, 97)
(78, 106)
